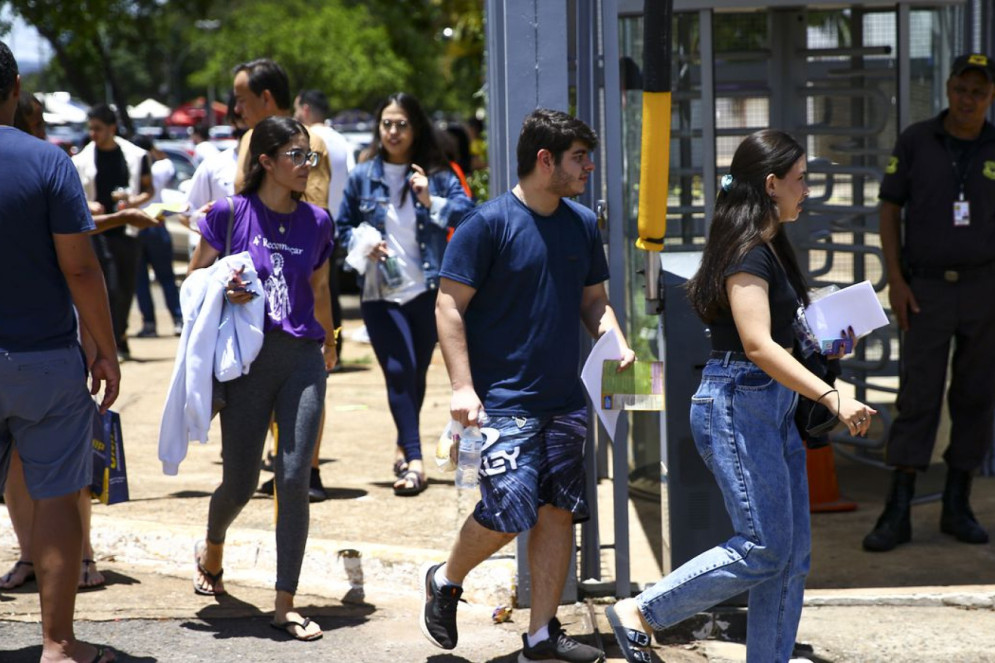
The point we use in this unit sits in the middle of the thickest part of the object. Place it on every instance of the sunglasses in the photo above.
(300, 157)
(401, 125)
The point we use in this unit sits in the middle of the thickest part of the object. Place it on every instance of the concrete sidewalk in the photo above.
(861, 607)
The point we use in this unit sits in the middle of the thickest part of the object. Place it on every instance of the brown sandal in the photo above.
(410, 483)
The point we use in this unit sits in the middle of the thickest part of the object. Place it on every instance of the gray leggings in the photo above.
(288, 379)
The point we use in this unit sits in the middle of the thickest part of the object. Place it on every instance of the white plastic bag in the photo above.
(364, 238)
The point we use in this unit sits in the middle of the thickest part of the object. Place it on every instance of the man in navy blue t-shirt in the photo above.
(521, 273)
(46, 410)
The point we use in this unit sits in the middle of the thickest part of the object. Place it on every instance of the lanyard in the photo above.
(966, 157)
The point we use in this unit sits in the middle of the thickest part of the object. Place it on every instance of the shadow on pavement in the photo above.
(231, 617)
(112, 578)
(33, 654)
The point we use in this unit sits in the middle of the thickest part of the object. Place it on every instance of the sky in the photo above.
(24, 41)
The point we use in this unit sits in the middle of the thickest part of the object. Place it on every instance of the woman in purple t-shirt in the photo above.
(290, 243)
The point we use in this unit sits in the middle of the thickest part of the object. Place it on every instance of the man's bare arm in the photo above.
(82, 272)
(450, 307)
(599, 317)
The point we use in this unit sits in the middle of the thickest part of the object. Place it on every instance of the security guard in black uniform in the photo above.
(941, 284)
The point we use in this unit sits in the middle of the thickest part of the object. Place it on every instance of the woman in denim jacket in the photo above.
(407, 192)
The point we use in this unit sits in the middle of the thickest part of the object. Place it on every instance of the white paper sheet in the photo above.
(609, 346)
(856, 306)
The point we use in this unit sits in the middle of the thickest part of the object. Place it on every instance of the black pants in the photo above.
(118, 255)
(964, 313)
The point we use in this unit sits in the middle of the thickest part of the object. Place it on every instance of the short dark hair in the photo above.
(317, 100)
(143, 141)
(267, 137)
(102, 113)
(553, 130)
(264, 74)
(8, 72)
(201, 130)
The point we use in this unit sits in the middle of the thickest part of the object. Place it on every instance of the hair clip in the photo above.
(726, 182)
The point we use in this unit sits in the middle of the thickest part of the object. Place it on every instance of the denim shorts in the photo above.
(535, 462)
(46, 412)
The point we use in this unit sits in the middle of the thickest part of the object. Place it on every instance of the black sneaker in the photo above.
(147, 331)
(316, 490)
(559, 647)
(438, 613)
(266, 488)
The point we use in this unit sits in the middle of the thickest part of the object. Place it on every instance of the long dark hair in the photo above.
(745, 216)
(425, 150)
(268, 136)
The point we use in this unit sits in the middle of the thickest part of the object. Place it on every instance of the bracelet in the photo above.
(819, 399)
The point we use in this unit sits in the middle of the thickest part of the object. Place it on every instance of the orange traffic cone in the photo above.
(823, 488)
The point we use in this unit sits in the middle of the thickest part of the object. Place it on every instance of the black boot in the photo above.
(895, 524)
(958, 519)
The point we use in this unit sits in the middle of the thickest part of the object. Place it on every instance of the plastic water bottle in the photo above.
(470, 444)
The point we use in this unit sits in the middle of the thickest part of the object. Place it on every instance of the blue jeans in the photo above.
(742, 422)
(403, 337)
(156, 249)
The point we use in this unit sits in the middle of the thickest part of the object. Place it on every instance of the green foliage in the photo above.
(327, 45)
(480, 184)
(356, 51)
(447, 70)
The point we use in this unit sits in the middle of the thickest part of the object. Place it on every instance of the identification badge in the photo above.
(962, 213)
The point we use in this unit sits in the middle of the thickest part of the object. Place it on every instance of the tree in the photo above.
(443, 40)
(95, 40)
(336, 48)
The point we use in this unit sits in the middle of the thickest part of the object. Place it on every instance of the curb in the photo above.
(250, 559)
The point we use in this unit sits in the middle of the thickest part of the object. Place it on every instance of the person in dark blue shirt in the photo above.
(521, 274)
(46, 411)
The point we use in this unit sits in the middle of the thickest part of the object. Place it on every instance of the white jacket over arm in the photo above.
(218, 340)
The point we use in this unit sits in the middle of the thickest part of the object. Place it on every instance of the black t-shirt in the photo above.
(924, 176)
(760, 261)
(112, 173)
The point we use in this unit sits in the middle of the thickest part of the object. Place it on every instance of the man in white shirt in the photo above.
(311, 110)
(213, 179)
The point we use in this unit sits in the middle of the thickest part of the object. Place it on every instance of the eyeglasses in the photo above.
(300, 157)
(400, 125)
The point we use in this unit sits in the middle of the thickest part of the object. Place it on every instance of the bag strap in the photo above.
(231, 224)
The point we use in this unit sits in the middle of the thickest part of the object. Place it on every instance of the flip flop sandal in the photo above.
(213, 578)
(418, 484)
(628, 638)
(288, 625)
(29, 576)
(400, 467)
(85, 583)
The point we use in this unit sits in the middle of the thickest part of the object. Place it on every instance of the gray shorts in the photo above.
(46, 413)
